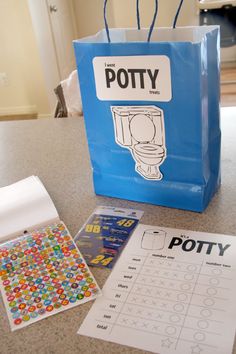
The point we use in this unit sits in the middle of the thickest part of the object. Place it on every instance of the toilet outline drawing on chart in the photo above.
(141, 130)
(153, 239)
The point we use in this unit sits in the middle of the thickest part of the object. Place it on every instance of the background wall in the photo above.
(122, 13)
(23, 90)
(89, 16)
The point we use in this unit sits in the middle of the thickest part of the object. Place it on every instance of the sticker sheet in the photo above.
(105, 234)
(43, 273)
(171, 291)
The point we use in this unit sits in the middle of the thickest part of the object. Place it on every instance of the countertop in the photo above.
(56, 151)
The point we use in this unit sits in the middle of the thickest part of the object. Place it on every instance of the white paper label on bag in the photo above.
(133, 78)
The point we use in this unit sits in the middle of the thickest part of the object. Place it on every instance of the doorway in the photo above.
(55, 28)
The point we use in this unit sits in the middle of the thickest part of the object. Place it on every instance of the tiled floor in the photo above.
(18, 117)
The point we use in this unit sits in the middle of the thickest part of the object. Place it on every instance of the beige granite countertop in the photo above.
(56, 151)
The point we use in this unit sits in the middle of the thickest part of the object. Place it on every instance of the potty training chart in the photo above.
(171, 291)
(43, 273)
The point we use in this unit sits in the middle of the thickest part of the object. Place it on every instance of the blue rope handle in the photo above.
(153, 21)
(138, 15)
(177, 13)
(138, 19)
(105, 21)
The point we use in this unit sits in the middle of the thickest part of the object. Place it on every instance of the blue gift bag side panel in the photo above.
(186, 176)
(211, 121)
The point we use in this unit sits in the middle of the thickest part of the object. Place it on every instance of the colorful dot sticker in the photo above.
(43, 273)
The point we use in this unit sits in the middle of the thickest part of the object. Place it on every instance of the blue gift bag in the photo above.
(151, 108)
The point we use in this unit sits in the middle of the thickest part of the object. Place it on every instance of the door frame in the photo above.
(39, 11)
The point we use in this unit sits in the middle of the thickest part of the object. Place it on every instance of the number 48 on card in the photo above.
(126, 222)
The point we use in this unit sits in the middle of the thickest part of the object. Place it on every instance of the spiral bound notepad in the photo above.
(42, 272)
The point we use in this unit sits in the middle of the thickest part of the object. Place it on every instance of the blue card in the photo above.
(105, 234)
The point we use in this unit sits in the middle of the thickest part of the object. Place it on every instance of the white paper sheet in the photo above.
(25, 205)
(171, 291)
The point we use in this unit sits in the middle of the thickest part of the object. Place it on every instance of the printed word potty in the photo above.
(151, 108)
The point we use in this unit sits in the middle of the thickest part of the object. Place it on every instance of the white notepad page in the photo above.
(25, 206)
(171, 292)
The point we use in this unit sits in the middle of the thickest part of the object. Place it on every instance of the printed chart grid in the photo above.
(167, 301)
